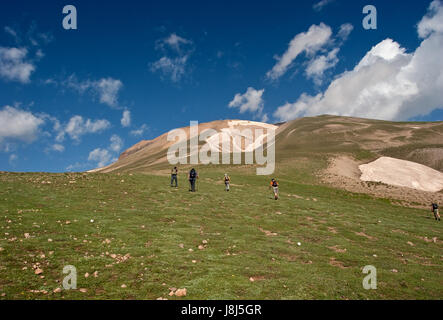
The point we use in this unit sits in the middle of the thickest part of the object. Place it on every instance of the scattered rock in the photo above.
(57, 290)
(180, 292)
(38, 271)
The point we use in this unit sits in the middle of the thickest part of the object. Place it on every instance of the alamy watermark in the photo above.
(257, 145)
(70, 281)
(370, 281)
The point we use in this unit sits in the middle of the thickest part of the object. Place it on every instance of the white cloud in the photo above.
(11, 32)
(176, 52)
(107, 89)
(317, 66)
(387, 83)
(78, 126)
(309, 42)
(139, 131)
(321, 4)
(432, 21)
(12, 159)
(251, 100)
(126, 118)
(13, 65)
(116, 143)
(173, 41)
(17, 124)
(345, 31)
(174, 68)
(58, 147)
(102, 156)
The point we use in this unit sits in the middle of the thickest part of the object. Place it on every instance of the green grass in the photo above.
(143, 217)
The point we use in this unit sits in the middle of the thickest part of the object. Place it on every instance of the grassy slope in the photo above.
(231, 223)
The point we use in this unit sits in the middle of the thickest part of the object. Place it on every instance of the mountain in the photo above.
(322, 137)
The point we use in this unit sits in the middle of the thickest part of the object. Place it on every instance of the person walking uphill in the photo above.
(193, 176)
(435, 211)
(274, 186)
(227, 181)
(174, 173)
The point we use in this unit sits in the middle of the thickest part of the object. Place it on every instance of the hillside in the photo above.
(322, 136)
(321, 150)
(131, 236)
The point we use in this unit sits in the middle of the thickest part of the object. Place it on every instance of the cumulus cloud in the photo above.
(14, 66)
(116, 143)
(174, 68)
(107, 89)
(77, 126)
(345, 31)
(388, 83)
(318, 6)
(308, 42)
(173, 41)
(139, 131)
(317, 66)
(58, 147)
(432, 21)
(102, 156)
(176, 52)
(126, 118)
(251, 101)
(17, 124)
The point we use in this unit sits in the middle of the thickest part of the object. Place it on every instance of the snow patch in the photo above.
(402, 173)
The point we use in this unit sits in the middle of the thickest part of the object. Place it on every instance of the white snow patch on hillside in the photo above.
(402, 173)
(238, 139)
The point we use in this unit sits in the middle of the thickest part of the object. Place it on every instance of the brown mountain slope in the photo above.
(322, 137)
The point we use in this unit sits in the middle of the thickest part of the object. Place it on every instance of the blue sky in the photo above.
(74, 99)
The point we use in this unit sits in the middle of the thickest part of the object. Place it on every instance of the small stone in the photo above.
(57, 290)
(38, 271)
(180, 292)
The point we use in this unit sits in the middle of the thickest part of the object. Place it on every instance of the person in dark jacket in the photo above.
(193, 176)
(174, 173)
(435, 211)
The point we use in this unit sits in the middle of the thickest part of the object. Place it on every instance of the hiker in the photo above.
(174, 176)
(435, 211)
(227, 181)
(193, 176)
(274, 186)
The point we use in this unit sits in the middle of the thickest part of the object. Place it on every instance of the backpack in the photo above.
(274, 183)
(192, 174)
(434, 206)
